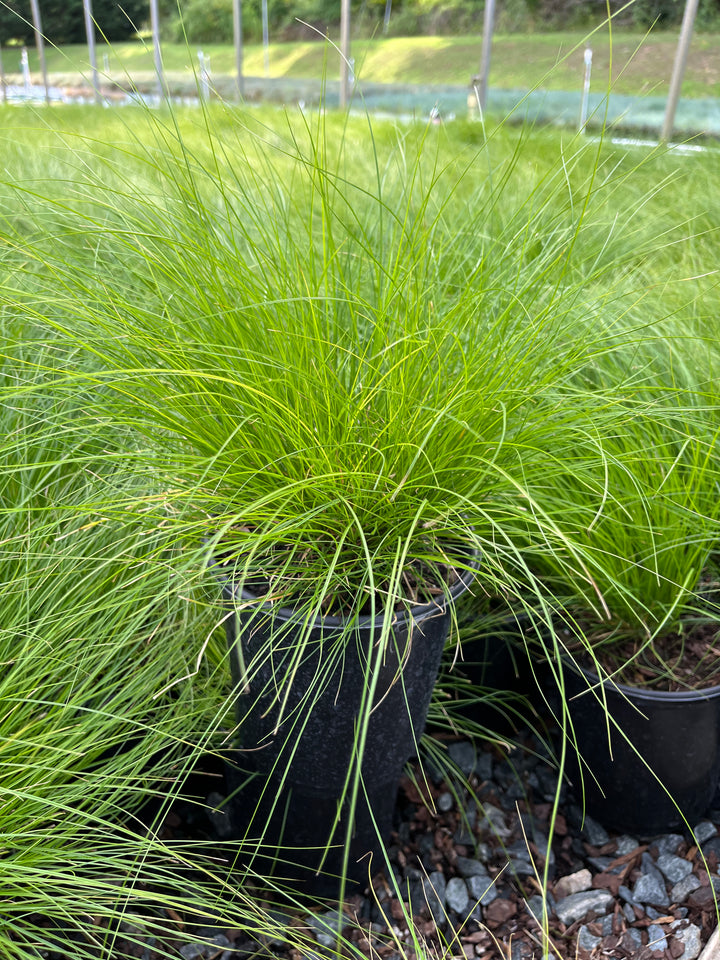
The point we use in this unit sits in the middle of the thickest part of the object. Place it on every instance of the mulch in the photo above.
(498, 817)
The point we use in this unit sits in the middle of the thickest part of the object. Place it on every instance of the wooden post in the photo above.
(481, 81)
(90, 32)
(238, 41)
(679, 68)
(344, 53)
(155, 27)
(40, 44)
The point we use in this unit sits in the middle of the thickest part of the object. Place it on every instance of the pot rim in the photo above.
(418, 612)
(642, 693)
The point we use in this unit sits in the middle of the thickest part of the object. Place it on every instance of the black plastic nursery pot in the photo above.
(494, 665)
(667, 769)
(291, 774)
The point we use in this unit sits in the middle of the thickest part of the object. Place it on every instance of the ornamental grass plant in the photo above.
(328, 359)
(97, 718)
(636, 645)
(645, 509)
(332, 351)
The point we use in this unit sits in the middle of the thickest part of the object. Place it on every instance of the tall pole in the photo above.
(681, 57)
(386, 18)
(344, 52)
(40, 44)
(155, 27)
(90, 31)
(3, 80)
(266, 37)
(481, 81)
(238, 41)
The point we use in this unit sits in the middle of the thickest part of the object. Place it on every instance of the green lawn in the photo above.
(635, 64)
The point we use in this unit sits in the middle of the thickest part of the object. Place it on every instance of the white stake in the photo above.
(344, 52)
(155, 27)
(204, 75)
(586, 90)
(480, 83)
(386, 18)
(266, 37)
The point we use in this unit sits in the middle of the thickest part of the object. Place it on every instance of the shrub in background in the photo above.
(210, 21)
(669, 13)
(63, 20)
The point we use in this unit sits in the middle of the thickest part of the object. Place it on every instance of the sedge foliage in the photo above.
(96, 719)
(333, 355)
(339, 348)
(651, 525)
(643, 504)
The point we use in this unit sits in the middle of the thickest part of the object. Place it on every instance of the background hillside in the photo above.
(210, 21)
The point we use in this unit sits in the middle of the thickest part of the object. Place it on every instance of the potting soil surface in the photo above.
(470, 865)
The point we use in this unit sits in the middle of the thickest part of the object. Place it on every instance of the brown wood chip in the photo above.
(607, 881)
(499, 911)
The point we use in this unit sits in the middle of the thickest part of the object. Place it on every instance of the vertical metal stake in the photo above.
(202, 75)
(344, 52)
(238, 41)
(90, 32)
(481, 81)
(386, 18)
(266, 37)
(155, 27)
(3, 81)
(40, 44)
(679, 68)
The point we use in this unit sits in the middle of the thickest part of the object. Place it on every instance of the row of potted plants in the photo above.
(367, 382)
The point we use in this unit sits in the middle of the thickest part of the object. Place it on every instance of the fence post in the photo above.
(679, 68)
(480, 83)
(40, 44)
(90, 31)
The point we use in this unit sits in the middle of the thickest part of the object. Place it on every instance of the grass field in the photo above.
(634, 64)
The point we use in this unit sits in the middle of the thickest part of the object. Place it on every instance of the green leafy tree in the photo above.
(63, 20)
(207, 21)
(646, 13)
(211, 21)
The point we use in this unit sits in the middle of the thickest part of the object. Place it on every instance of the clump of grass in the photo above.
(644, 512)
(95, 642)
(332, 354)
(336, 347)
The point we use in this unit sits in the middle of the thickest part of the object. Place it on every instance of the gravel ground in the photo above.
(469, 866)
